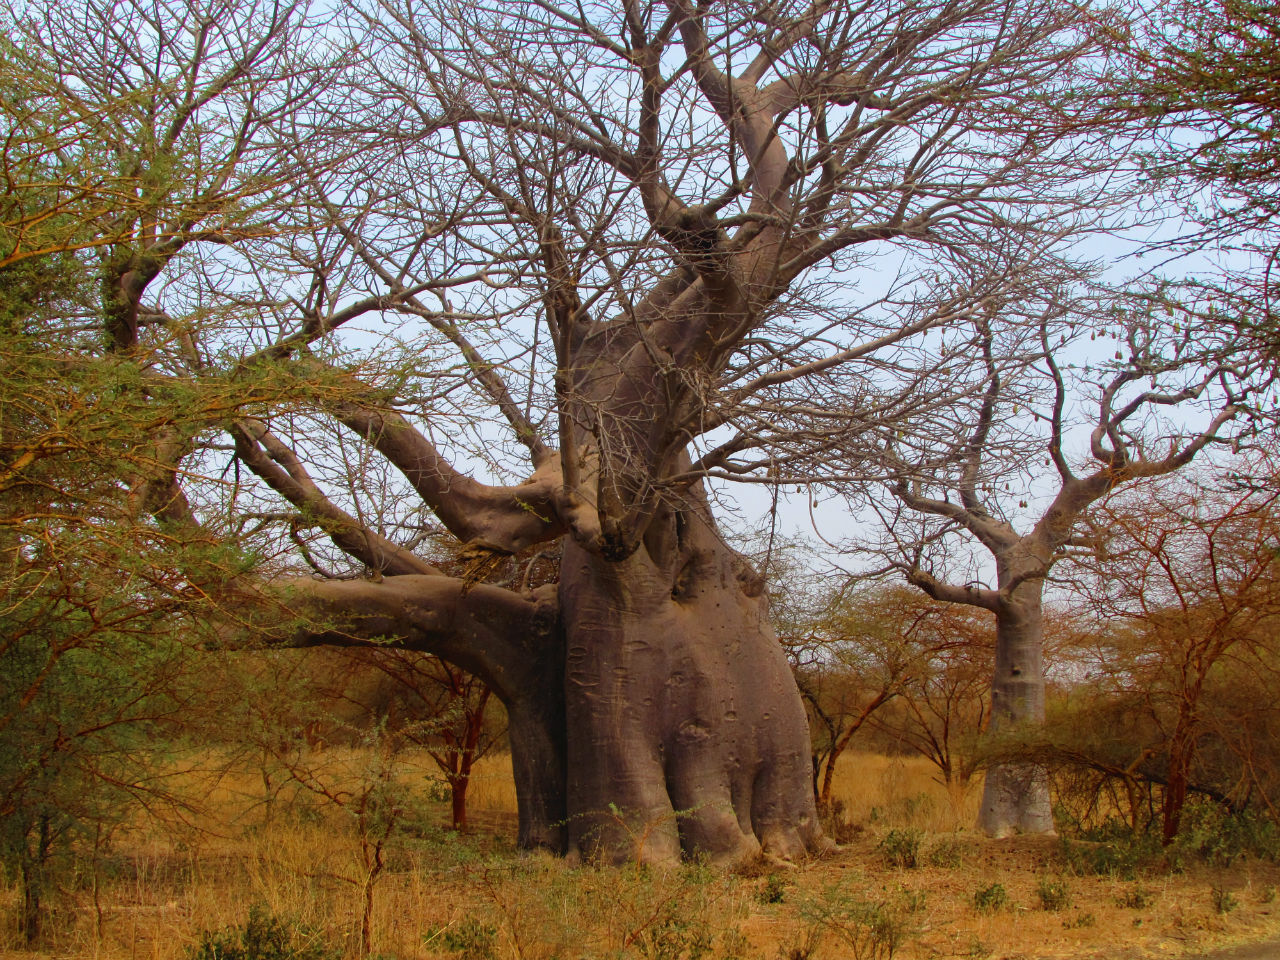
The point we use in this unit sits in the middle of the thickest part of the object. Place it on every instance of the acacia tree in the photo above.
(944, 706)
(1170, 390)
(849, 663)
(91, 593)
(430, 703)
(1198, 80)
(1187, 600)
(871, 650)
(614, 246)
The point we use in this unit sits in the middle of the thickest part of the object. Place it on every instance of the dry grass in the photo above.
(164, 881)
(491, 787)
(902, 791)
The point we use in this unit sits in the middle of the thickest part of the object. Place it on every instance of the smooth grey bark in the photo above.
(687, 733)
(1015, 796)
(652, 711)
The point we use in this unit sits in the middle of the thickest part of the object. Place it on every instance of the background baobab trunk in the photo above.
(947, 492)
(1015, 797)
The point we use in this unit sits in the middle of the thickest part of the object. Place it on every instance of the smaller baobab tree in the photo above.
(1144, 393)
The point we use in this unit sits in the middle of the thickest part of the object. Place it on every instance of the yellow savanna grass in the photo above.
(254, 837)
(902, 791)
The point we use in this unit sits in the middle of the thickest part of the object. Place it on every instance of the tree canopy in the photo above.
(534, 277)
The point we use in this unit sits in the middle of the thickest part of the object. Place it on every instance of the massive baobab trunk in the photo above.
(652, 713)
(686, 729)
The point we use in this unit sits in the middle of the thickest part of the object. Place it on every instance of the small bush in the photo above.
(904, 809)
(836, 822)
(977, 949)
(1214, 834)
(1137, 898)
(804, 947)
(1224, 901)
(774, 889)
(946, 854)
(1114, 855)
(870, 929)
(1054, 894)
(262, 937)
(1209, 832)
(902, 847)
(471, 939)
(990, 899)
(734, 945)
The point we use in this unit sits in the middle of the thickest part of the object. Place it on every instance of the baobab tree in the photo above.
(551, 268)
(1145, 395)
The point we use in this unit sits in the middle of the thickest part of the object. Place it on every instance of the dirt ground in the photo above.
(1270, 950)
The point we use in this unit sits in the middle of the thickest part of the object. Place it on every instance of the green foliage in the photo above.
(1209, 834)
(1054, 893)
(263, 937)
(991, 898)
(902, 847)
(774, 889)
(470, 939)
(93, 592)
(867, 929)
(1223, 900)
(1111, 848)
(947, 854)
(1213, 70)
(1216, 835)
(93, 681)
(1135, 898)
(654, 913)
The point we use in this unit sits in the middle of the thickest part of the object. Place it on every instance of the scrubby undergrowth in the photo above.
(905, 885)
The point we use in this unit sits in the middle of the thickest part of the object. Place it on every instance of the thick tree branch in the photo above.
(272, 460)
(969, 595)
(506, 519)
(500, 636)
(486, 374)
(994, 534)
(974, 450)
